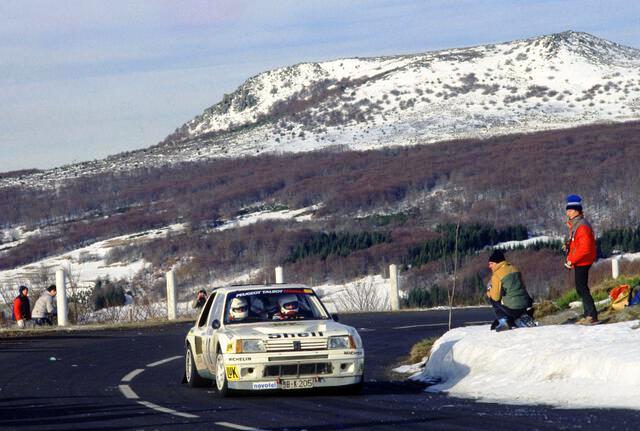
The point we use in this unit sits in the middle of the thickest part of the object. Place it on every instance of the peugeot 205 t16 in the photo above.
(276, 337)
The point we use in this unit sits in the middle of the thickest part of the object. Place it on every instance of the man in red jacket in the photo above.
(22, 307)
(581, 247)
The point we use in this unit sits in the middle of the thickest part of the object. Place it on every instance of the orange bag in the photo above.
(620, 296)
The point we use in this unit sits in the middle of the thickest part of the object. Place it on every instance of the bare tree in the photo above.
(362, 296)
(455, 270)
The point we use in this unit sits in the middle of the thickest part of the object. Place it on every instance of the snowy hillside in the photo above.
(556, 81)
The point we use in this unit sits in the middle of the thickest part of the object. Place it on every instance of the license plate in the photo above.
(297, 384)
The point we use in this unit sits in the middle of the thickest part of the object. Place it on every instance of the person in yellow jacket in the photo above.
(507, 294)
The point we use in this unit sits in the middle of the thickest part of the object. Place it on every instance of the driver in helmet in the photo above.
(238, 310)
(288, 308)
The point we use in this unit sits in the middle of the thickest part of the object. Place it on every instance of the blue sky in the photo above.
(83, 79)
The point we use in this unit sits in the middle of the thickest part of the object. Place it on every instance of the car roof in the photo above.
(245, 287)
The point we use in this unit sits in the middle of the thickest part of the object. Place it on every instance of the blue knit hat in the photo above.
(574, 202)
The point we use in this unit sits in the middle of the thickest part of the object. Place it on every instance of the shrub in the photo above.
(107, 294)
(421, 350)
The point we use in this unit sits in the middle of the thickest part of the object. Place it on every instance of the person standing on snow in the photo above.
(507, 294)
(22, 307)
(45, 308)
(581, 253)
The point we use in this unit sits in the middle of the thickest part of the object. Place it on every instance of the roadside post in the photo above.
(61, 297)
(393, 285)
(172, 308)
(615, 267)
(279, 275)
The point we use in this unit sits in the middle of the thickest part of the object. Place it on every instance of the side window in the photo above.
(205, 310)
(216, 311)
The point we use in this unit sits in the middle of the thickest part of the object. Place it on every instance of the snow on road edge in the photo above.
(567, 366)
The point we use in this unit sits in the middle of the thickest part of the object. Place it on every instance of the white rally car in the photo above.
(271, 337)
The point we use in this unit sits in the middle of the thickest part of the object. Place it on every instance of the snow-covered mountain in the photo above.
(557, 81)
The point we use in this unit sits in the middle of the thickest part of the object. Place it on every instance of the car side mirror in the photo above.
(215, 324)
(335, 317)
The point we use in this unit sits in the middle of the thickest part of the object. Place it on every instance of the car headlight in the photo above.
(341, 342)
(249, 346)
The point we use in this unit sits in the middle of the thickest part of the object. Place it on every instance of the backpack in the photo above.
(620, 296)
(634, 295)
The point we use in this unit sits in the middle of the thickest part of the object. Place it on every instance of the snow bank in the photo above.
(567, 366)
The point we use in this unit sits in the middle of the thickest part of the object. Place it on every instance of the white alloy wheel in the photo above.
(191, 372)
(221, 376)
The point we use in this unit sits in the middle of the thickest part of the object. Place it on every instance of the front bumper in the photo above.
(268, 371)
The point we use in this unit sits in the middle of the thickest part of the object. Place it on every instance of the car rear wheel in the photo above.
(191, 373)
(221, 377)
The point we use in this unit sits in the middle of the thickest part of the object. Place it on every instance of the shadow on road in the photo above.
(80, 413)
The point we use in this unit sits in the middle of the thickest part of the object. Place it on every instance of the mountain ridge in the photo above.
(555, 81)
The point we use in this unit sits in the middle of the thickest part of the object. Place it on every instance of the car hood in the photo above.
(314, 328)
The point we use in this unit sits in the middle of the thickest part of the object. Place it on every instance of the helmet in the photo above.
(288, 305)
(238, 309)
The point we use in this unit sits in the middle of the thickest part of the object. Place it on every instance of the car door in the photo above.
(200, 331)
(211, 337)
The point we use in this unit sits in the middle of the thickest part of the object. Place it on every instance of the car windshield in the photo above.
(273, 305)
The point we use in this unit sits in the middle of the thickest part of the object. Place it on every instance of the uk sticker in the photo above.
(232, 372)
(265, 385)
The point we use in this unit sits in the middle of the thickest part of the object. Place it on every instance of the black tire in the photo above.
(192, 377)
(222, 386)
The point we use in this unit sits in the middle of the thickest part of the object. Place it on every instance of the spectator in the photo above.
(581, 248)
(45, 307)
(507, 294)
(22, 307)
(200, 299)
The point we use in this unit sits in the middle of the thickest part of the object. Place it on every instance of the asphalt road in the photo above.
(90, 381)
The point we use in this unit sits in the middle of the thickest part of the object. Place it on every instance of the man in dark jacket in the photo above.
(507, 294)
(198, 303)
(22, 307)
(581, 253)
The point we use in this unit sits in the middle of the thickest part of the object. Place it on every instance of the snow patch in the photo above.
(567, 366)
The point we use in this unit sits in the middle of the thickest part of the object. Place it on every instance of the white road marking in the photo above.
(131, 375)
(164, 361)
(166, 410)
(237, 427)
(479, 322)
(421, 326)
(128, 392)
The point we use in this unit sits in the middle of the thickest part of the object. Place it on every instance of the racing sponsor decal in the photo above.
(272, 292)
(298, 335)
(229, 348)
(244, 359)
(264, 385)
(232, 372)
(352, 352)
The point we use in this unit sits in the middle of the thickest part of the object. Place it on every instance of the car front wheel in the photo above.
(221, 377)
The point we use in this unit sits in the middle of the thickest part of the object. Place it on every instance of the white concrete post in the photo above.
(615, 267)
(279, 275)
(172, 306)
(61, 297)
(394, 292)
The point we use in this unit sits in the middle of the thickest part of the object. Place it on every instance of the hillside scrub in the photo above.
(526, 187)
